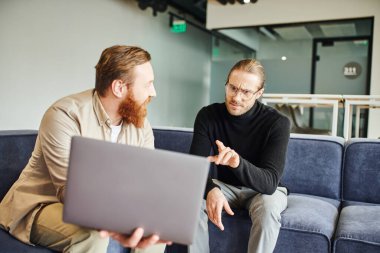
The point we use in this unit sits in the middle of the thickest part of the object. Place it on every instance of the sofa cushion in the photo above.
(10, 244)
(314, 165)
(358, 229)
(356, 203)
(361, 170)
(15, 148)
(310, 213)
(308, 224)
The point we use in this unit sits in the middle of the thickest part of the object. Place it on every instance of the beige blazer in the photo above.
(43, 179)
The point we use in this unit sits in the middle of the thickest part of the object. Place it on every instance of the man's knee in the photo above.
(50, 231)
(87, 241)
(203, 217)
(266, 209)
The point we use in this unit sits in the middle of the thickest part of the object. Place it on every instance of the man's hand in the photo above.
(226, 156)
(215, 203)
(136, 240)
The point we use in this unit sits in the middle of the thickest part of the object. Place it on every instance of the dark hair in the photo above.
(251, 66)
(117, 62)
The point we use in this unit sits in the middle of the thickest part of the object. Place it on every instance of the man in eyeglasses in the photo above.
(248, 141)
(114, 111)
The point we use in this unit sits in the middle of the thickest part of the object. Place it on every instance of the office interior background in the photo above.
(49, 49)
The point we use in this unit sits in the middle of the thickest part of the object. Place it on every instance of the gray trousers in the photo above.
(264, 210)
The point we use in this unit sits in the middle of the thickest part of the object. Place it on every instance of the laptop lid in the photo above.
(118, 187)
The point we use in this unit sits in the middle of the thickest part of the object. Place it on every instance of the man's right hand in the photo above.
(136, 240)
(215, 203)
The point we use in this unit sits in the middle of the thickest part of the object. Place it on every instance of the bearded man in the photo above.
(114, 111)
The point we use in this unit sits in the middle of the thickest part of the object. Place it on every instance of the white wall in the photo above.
(48, 49)
(266, 12)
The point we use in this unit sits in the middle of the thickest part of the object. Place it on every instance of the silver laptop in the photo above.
(118, 187)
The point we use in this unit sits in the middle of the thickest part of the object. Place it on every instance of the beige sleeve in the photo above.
(56, 130)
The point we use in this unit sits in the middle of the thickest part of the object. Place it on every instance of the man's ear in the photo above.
(259, 93)
(117, 87)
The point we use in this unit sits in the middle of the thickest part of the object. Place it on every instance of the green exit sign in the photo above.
(178, 26)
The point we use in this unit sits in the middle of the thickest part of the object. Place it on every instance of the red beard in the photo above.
(132, 112)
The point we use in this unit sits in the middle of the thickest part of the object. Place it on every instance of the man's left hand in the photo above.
(226, 156)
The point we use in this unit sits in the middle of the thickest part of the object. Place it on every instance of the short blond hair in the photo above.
(251, 66)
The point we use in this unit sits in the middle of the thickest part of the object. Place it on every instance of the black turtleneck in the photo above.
(260, 137)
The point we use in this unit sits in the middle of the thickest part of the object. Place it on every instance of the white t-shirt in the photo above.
(115, 130)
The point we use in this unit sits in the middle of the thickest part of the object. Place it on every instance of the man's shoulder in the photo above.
(209, 115)
(274, 115)
(212, 108)
(74, 101)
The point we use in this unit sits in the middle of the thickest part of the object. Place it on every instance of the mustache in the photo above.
(235, 103)
(147, 101)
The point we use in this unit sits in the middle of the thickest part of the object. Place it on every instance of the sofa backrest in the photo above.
(361, 171)
(15, 150)
(173, 139)
(314, 165)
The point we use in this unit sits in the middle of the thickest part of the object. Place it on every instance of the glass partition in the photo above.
(327, 57)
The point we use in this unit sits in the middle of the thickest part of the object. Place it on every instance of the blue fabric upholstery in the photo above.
(359, 222)
(356, 203)
(15, 150)
(361, 170)
(358, 229)
(308, 225)
(308, 217)
(313, 165)
(173, 140)
(8, 244)
(313, 175)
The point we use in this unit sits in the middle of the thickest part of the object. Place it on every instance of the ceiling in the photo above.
(325, 29)
(196, 8)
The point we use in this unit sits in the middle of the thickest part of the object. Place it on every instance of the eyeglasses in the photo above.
(232, 90)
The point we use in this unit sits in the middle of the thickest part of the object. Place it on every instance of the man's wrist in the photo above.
(210, 188)
(236, 164)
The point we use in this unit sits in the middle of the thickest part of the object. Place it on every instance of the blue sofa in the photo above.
(333, 206)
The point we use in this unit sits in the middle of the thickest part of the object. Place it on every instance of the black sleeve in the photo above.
(201, 144)
(265, 179)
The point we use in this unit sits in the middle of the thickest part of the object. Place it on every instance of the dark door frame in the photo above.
(315, 58)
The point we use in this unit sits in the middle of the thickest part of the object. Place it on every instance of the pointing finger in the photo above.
(220, 145)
